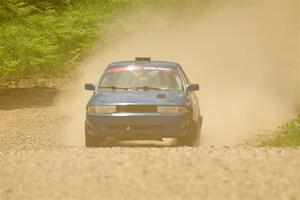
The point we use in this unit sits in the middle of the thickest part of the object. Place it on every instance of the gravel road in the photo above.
(34, 163)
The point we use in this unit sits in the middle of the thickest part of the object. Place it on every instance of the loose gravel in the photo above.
(35, 164)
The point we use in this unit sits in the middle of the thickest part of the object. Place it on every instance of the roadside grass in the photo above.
(289, 135)
(46, 38)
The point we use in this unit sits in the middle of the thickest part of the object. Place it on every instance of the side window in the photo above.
(183, 75)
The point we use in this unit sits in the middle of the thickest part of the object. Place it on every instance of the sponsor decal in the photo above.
(136, 68)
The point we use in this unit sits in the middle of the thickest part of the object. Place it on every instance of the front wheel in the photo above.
(92, 141)
(191, 139)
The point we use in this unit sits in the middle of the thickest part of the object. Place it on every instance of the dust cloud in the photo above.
(245, 56)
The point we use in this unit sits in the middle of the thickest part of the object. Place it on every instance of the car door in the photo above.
(192, 95)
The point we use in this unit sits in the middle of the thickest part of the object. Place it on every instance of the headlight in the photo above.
(102, 109)
(171, 109)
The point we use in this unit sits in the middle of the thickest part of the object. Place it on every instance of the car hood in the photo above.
(138, 97)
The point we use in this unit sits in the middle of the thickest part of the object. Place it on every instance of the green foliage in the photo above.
(289, 135)
(45, 38)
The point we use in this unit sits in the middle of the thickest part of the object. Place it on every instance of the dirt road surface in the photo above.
(35, 164)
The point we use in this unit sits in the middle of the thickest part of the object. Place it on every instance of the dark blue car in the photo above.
(143, 100)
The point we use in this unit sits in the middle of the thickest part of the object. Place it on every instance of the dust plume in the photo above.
(245, 56)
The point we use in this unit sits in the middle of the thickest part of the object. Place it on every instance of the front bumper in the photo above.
(138, 125)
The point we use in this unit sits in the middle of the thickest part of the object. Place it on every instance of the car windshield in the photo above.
(141, 78)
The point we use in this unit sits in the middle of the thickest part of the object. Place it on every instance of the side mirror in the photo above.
(192, 87)
(89, 86)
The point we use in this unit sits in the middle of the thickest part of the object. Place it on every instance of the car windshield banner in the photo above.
(136, 68)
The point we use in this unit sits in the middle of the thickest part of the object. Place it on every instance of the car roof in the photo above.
(144, 63)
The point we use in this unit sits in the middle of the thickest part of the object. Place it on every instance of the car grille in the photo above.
(136, 108)
(136, 127)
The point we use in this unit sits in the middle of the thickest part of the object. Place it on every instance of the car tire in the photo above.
(192, 138)
(90, 141)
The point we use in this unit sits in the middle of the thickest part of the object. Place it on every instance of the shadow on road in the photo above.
(27, 97)
(141, 144)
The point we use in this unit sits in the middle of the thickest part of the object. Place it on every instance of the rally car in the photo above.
(143, 100)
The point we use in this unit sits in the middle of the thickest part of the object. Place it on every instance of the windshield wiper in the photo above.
(114, 87)
(149, 88)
